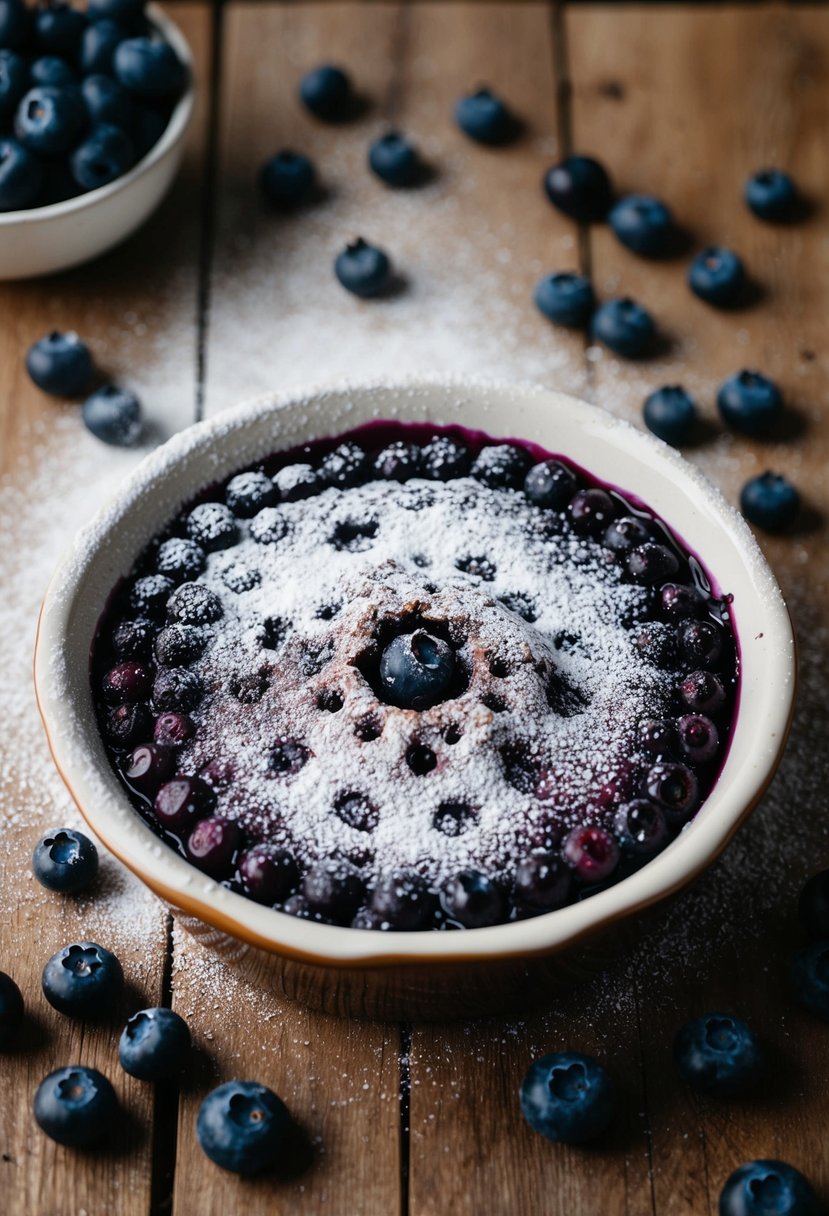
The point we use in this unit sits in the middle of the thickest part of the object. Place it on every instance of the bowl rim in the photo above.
(173, 132)
(100, 798)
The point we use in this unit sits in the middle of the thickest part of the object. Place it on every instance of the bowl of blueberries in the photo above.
(94, 106)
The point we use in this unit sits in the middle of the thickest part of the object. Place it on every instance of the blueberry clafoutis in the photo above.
(415, 678)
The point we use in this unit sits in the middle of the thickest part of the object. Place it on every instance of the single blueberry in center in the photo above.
(417, 670)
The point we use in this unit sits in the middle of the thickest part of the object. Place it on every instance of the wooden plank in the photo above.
(658, 99)
(138, 308)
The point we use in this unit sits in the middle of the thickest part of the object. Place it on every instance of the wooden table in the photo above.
(216, 299)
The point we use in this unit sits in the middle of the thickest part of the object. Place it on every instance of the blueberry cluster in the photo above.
(84, 95)
(164, 618)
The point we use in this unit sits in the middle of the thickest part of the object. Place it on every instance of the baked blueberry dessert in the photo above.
(413, 677)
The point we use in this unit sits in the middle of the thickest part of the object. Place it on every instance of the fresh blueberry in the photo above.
(194, 604)
(651, 563)
(643, 224)
(113, 415)
(768, 1188)
(15, 24)
(129, 12)
(333, 889)
(702, 692)
(700, 642)
(398, 462)
(542, 883)
(345, 466)
(641, 828)
(52, 71)
(417, 670)
(59, 29)
(444, 458)
(363, 269)
(147, 766)
(65, 860)
(75, 1106)
(625, 534)
(473, 900)
(214, 844)
(98, 46)
(749, 402)
(675, 788)
(11, 1010)
(591, 852)
(180, 559)
(813, 906)
(580, 187)
(326, 91)
(248, 493)
(550, 484)
(810, 978)
(173, 729)
(149, 595)
(716, 275)
(770, 501)
(82, 980)
(148, 67)
(154, 1045)
(268, 874)
(14, 81)
(176, 689)
(670, 413)
(699, 739)
(128, 724)
(287, 179)
(568, 1097)
(566, 298)
(127, 681)
(394, 159)
(402, 900)
(718, 1053)
(502, 466)
(106, 154)
(21, 176)
(771, 194)
(591, 511)
(624, 327)
(484, 117)
(182, 802)
(244, 1127)
(49, 121)
(60, 364)
(211, 525)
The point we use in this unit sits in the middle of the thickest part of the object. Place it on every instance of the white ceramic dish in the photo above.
(44, 240)
(410, 963)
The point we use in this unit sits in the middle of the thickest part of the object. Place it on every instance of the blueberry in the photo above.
(126, 725)
(813, 905)
(444, 458)
(21, 176)
(502, 466)
(178, 644)
(149, 125)
(699, 739)
(60, 364)
(652, 563)
(473, 900)
(398, 462)
(82, 980)
(269, 526)
(98, 46)
(702, 692)
(670, 413)
(247, 493)
(675, 788)
(288, 757)
(149, 595)
(154, 1045)
(15, 24)
(767, 1188)
(402, 900)
(810, 978)
(295, 482)
(417, 670)
(625, 534)
(770, 501)
(65, 860)
(287, 179)
(113, 415)
(52, 71)
(173, 729)
(182, 802)
(175, 688)
(49, 121)
(194, 604)
(211, 525)
(656, 737)
(345, 466)
(127, 681)
(268, 874)
(363, 269)
(624, 327)
(565, 298)
(244, 1127)
(147, 766)
(148, 67)
(641, 828)
(643, 224)
(326, 91)
(716, 275)
(678, 601)
(580, 187)
(700, 642)
(333, 889)
(718, 1053)
(591, 511)
(106, 154)
(394, 159)
(214, 845)
(14, 81)
(59, 29)
(550, 484)
(484, 117)
(542, 882)
(749, 402)
(129, 12)
(771, 194)
(568, 1097)
(591, 852)
(11, 1010)
(179, 559)
(75, 1106)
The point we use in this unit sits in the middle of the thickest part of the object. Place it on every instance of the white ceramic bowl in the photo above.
(422, 973)
(44, 240)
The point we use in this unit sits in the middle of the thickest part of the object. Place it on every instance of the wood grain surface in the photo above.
(218, 299)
